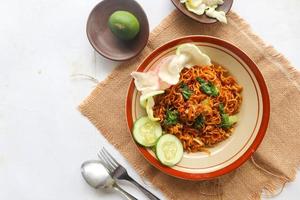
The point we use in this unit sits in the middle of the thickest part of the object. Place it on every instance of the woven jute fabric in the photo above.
(273, 164)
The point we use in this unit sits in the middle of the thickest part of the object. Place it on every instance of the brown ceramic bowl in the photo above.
(226, 6)
(103, 40)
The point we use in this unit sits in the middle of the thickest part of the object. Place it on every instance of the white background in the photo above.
(43, 138)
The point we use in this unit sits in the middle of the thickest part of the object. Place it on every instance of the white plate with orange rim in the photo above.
(253, 116)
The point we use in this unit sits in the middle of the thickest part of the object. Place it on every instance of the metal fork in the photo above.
(117, 171)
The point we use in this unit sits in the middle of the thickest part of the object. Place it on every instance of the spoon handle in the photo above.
(125, 194)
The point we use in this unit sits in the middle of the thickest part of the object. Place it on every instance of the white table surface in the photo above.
(43, 138)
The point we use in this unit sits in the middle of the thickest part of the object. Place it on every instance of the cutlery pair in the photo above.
(118, 172)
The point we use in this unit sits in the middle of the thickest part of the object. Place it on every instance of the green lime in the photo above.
(124, 25)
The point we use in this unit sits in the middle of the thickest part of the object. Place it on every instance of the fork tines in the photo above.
(108, 160)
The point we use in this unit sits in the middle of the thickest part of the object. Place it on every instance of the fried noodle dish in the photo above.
(200, 109)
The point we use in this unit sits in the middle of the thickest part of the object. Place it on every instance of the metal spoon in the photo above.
(97, 176)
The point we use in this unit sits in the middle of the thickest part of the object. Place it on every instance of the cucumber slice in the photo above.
(169, 150)
(144, 97)
(146, 132)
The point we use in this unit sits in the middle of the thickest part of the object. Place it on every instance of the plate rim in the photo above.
(265, 111)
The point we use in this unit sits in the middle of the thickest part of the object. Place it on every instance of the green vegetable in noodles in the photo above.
(171, 117)
(214, 90)
(185, 91)
(226, 120)
(199, 122)
(207, 87)
(221, 108)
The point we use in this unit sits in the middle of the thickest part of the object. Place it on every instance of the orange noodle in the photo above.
(199, 105)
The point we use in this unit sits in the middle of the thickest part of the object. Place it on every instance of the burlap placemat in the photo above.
(277, 158)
